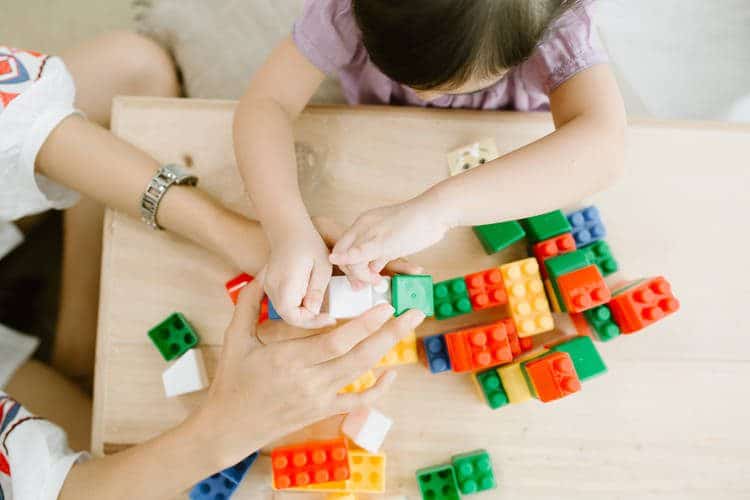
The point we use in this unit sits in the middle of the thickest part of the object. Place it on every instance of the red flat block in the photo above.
(486, 289)
(552, 247)
(481, 347)
(553, 376)
(310, 463)
(583, 289)
(636, 307)
(236, 284)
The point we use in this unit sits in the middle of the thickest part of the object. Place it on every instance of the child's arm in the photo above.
(298, 269)
(584, 155)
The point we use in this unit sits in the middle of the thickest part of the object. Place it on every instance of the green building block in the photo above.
(545, 226)
(451, 298)
(586, 359)
(600, 254)
(492, 388)
(438, 483)
(473, 472)
(500, 235)
(600, 319)
(564, 264)
(412, 292)
(173, 336)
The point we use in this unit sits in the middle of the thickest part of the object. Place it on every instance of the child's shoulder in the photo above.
(327, 33)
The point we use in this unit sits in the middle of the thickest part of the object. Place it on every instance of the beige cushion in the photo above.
(218, 44)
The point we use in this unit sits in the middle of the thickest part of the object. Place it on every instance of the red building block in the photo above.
(583, 289)
(486, 289)
(310, 463)
(581, 325)
(481, 347)
(527, 344)
(636, 307)
(552, 247)
(552, 376)
(236, 284)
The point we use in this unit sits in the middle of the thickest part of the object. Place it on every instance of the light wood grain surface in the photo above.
(669, 420)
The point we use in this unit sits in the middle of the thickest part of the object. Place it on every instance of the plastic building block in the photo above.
(514, 383)
(367, 472)
(583, 289)
(600, 254)
(272, 314)
(634, 307)
(473, 472)
(341, 496)
(451, 298)
(403, 353)
(552, 247)
(499, 236)
(545, 226)
(600, 319)
(236, 284)
(436, 352)
(412, 292)
(237, 472)
(564, 264)
(486, 289)
(438, 483)
(367, 427)
(186, 375)
(344, 301)
(552, 296)
(480, 347)
(586, 359)
(381, 292)
(364, 382)
(552, 376)
(528, 303)
(526, 344)
(586, 226)
(216, 486)
(467, 157)
(173, 336)
(491, 388)
(310, 463)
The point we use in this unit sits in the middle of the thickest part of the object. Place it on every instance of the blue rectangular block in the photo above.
(216, 486)
(436, 351)
(237, 472)
(587, 226)
(272, 314)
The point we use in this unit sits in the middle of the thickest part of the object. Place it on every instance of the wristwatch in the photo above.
(165, 177)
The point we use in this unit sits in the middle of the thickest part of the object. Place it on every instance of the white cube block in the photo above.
(367, 427)
(187, 374)
(344, 302)
(10, 238)
(381, 293)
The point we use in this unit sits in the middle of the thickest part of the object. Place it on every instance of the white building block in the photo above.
(187, 374)
(367, 427)
(381, 293)
(344, 302)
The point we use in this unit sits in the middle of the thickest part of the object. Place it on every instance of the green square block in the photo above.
(564, 264)
(586, 359)
(600, 254)
(438, 483)
(600, 319)
(451, 298)
(473, 472)
(412, 292)
(173, 336)
(492, 388)
(545, 226)
(500, 235)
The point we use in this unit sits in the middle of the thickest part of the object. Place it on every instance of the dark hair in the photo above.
(441, 43)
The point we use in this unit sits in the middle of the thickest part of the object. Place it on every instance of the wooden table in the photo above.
(671, 418)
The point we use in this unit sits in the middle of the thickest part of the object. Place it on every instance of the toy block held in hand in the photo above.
(344, 302)
(310, 463)
(216, 486)
(586, 359)
(642, 303)
(552, 376)
(272, 314)
(467, 157)
(473, 472)
(367, 427)
(186, 375)
(367, 472)
(583, 289)
(498, 236)
(480, 347)
(412, 292)
(486, 289)
(436, 353)
(173, 336)
(404, 352)
(586, 226)
(237, 472)
(552, 247)
(235, 286)
(601, 321)
(545, 226)
(438, 483)
(491, 388)
(600, 254)
(451, 298)
(528, 303)
(363, 383)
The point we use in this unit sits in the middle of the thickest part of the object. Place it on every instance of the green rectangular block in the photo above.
(600, 254)
(492, 388)
(173, 336)
(564, 264)
(438, 483)
(498, 236)
(586, 359)
(451, 298)
(545, 226)
(412, 292)
(473, 472)
(600, 319)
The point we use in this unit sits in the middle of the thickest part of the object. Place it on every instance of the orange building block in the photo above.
(634, 307)
(236, 284)
(583, 289)
(486, 289)
(310, 463)
(552, 376)
(552, 248)
(481, 347)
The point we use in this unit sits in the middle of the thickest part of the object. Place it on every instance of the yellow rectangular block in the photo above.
(514, 383)
(341, 496)
(367, 475)
(467, 157)
(528, 303)
(361, 384)
(403, 353)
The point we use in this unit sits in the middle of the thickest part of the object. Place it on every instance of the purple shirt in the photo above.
(327, 34)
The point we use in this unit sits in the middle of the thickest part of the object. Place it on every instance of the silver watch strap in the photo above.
(165, 177)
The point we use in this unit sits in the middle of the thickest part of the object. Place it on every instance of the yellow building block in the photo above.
(341, 496)
(361, 384)
(514, 383)
(528, 302)
(551, 296)
(366, 475)
(404, 352)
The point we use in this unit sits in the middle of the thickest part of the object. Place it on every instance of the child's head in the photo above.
(452, 46)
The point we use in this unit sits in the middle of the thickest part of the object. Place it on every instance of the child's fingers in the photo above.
(367, 251)
(347, 402)
(341, 248)
(316, 287)
(361, 272)
(401, 266)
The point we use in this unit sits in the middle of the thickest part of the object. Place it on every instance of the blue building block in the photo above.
(237, 472)
(272, 314)
(437, 353)
(587, 226)
(214, 488)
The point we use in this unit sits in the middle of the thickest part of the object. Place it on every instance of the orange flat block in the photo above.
(528, 303)
(552, 248)
(486, 289)
(583, 289)
(310, 463)
(235, 286)
(634, 307)
(552, 376)
(480, 347)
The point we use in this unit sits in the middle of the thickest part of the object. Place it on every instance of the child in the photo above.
(483, 54)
